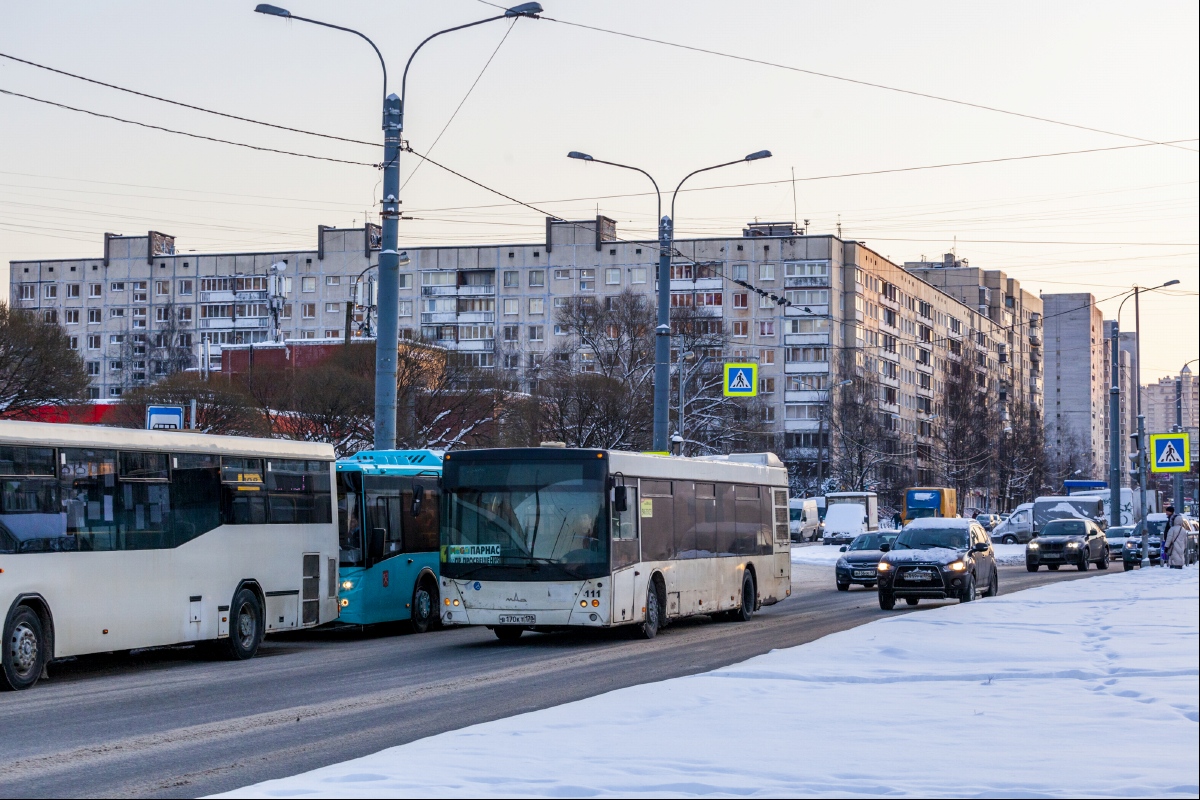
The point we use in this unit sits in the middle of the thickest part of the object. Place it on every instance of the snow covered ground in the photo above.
(1082, 688)
(828, 554)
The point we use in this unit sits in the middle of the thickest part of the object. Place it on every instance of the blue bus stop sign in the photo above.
(741, 380)
(164, 418)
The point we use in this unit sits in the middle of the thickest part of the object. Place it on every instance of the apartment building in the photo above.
(494, 305)
(1002, 300)
(1158, 403)
(1076, 384)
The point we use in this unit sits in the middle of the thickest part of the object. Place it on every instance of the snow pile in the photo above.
(1055, 691)
(1009, 554)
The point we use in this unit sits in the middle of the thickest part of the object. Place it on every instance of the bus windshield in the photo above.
(536, 520)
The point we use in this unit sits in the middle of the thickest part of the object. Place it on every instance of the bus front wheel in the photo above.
(24, 649)
(424, 607)
(649, 628)
(245, 626)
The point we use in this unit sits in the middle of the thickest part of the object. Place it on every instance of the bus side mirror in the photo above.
(620, 499)
(418, 498)
(375, 544)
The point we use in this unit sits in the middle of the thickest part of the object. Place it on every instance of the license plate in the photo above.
(518, 619)
(919, 575)
(864, 573)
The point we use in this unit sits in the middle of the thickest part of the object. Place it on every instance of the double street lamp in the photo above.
(662, 339)
(1114, 416)
(388, 339)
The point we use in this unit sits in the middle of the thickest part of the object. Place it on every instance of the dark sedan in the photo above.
(1075, 542)
(861, 557)
(936, 559)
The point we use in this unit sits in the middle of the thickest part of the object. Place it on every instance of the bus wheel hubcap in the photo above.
(423, 604)
(24, 649)
(245, 627)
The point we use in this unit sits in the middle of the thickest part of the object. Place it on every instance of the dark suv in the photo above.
(935, 559)
(1076, 542)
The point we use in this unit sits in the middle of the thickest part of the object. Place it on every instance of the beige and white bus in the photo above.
(547, 538)
(114, 539)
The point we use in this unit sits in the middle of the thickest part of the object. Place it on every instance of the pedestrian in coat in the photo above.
(1175, 543)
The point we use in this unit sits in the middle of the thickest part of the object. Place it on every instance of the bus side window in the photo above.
(384, 514)
(654, 508)
(88, 480)
(421, 531)
(706, 520)
(624, 523)
(195, 495)
(244, 501)
(144, 503)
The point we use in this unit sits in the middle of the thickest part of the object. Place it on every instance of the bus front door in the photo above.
(386, 589)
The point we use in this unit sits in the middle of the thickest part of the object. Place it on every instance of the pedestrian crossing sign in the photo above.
(741, 380)
(1171, 451)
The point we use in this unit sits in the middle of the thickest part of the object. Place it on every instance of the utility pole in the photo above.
(1178, 477)
(1114, 429)
(662, 338)
(1143, 456)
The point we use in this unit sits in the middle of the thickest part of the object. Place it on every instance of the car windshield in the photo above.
(1118, 532)
(928, 538)
(920, 513)
(1156, 526)
(1065, 527)
(870, 541)
(536, 520)
(796, 514)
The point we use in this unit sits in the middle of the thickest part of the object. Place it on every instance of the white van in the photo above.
(1018, 528)
(804, 519)
(844, 521)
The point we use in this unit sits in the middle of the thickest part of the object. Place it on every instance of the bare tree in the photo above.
(38, 368)
(965, 428)
(222, 406)
(858, 444)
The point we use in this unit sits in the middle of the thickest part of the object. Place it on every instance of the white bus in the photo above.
(547, 538)
(114, 539)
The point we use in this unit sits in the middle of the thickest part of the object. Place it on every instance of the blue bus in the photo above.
(388, 511)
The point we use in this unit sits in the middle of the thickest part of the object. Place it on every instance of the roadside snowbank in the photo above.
(1007, 554)
(1027, 694)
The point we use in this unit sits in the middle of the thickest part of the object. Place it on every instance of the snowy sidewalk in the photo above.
(1008, 554)
(1084, 688)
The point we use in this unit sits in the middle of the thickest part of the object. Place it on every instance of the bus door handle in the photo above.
(410, 561)
(636, 573)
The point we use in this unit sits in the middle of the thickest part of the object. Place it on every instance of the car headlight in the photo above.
(841, 562)
(1033, 546)
(883, 566)
(1072, 544)
(956, 566)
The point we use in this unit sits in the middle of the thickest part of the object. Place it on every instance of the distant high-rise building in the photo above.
(1076, 385)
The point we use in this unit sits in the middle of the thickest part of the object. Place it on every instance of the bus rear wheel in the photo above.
(245, 626)
(24, 650)
(745, 611)
(424, 607)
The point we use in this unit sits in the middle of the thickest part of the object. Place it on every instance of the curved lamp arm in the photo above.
(585, 157)
(752, 157)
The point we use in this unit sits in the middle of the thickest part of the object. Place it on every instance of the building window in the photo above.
(114, 391)
(637, 275)
(561, 330)
(114, 366)
(766, 327)
(308, 334)
(807, 297)
(510, 333)
(512, 279)
(612, 276)
(93, 368)
(333, 333)
(562, 274)
(116, 338)
(406, 280)
(805, 354)
(139, 291)
(28, 291)
(802, 411)
(741, 328)
(766, 272)
(185, 287)
(286, 313)
(537, 305)
(537, 277)
(333, 280)
(741, 300)
(766, 356)
(308, 284)
(50, 291)
(587, 280)
(162, 288)
(406, 308)
(512, 360)
(73, 290)
(332, 308)
(536, 333)
(71, 316)
(741, 272)
(308, 311)
(766, 386)
(512, 306)
(93, 341)
(115, 313)
(183, 313)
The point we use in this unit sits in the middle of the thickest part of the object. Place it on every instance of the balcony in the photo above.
(806, 367)
(479, 290)
(698, 285)
(241, 323)
(806, 281)
(801, 339)
(813, 311)
(1035, 337)
(1035, 386)
(439, 318)
(474, 317)
(471, 345)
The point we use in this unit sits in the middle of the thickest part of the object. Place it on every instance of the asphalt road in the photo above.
(169, 723)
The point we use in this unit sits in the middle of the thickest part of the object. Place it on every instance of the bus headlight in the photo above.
(583, 603)
(347, 584)
(344, 602)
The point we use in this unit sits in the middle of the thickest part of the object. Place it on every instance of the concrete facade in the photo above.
(1076, 384)
(494, 306)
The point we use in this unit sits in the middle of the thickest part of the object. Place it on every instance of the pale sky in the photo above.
(1096, 222)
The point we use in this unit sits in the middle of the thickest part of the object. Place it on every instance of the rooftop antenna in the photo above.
(795, 211)
(839, 226)
(954, 249)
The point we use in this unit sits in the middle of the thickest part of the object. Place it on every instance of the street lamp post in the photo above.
(388, 324)
(1114, 406)
(662, 331)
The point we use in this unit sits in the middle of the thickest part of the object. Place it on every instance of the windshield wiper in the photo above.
(553, 563)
